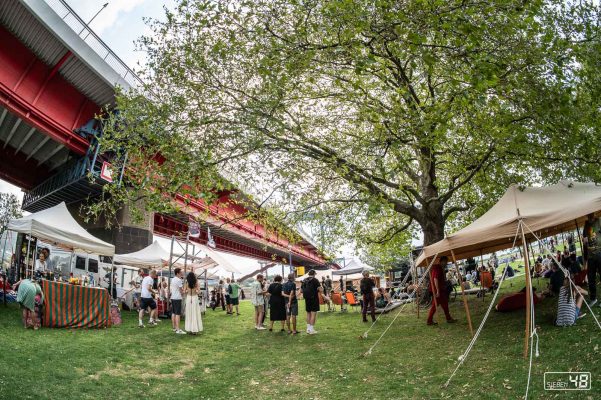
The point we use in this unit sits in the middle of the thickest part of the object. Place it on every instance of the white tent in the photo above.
(543, 210)
(327, 273)
(220, 260)
(152, 256)
(355, 266)
(56, 225)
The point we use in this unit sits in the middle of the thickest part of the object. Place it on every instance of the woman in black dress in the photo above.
(277, 303)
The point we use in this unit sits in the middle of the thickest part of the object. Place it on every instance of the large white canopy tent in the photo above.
(57, 225)
(153, 255)
(355, 266)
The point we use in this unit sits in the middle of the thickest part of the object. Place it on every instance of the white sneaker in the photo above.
(141, 326)
(312, 333)
(261, 328)
(180, 332)
(152, 323)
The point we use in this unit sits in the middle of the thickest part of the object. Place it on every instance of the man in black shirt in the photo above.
(311, 290)
(367, 286)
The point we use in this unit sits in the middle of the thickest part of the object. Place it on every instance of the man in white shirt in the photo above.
(147, 301)
(177, 290)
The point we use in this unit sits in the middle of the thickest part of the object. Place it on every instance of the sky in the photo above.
(119, 25)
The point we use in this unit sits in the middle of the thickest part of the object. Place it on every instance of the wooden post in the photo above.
(580, 240)
(416, 288)
(528, 289)
(465, 305)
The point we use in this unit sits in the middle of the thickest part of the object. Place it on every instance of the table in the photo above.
(75, 306)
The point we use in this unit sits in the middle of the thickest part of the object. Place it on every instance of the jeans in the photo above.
(369, 301)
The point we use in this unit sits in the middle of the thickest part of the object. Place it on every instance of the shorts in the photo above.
(234, 301)
(176, 307)
(148, 303)
(292, 311)
(576, 314)
(312, 305)
(228, 300)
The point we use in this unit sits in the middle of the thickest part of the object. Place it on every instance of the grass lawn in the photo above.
(231, 360)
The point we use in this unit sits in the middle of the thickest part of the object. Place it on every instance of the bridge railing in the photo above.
(80, 27)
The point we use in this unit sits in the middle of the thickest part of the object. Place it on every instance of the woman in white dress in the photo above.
(193, 312)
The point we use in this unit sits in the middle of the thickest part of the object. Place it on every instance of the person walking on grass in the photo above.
(367, 286)
(257, 295)
(234, 297)
(147, 301)
(177, 290)
(311, 290)
(277, 303)
(439, 291)
(289, 292)
(228, 303)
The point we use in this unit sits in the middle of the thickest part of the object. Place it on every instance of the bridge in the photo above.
(56, 74)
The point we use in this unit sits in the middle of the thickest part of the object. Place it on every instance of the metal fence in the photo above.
(74, 21)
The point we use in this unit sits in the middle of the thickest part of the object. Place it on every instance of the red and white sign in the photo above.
(106, 172)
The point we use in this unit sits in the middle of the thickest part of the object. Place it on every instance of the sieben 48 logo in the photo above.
(568, 381)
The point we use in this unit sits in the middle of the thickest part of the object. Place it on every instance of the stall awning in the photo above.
(151, 256)
(354, 266)
(56, 225)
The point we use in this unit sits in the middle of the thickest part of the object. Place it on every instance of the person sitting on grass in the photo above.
(569, 303)
(555, 280)
(465, 285)
(516, 301)
(383, 298)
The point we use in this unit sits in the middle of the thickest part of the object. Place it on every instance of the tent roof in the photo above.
(151, 256)
(318, 274)
(221, 261)
(544, 210)
(355, 266)
(57, 225)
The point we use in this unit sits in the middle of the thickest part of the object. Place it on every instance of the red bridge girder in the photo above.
(40, 96)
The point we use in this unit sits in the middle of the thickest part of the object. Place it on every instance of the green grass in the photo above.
(231, 360)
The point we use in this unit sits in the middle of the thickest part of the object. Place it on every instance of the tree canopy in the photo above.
(10, 208)
(370, 120)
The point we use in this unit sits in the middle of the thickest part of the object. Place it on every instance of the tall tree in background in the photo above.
(10, 208)
(375, 118)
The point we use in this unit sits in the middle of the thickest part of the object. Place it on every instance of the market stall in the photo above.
(66, 305)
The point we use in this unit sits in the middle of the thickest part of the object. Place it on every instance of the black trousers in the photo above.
(594, 268)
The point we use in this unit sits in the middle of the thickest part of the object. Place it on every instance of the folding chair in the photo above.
(337, 300)
(351, 300)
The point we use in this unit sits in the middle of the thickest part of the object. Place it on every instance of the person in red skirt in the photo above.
(439, 291)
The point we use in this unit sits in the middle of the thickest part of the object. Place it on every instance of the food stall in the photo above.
(67, 305)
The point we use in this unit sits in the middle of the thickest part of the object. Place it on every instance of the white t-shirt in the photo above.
(147, 282)
(176, 285)
(40, 265)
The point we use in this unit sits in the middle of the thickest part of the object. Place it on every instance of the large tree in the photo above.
(368, 118)
(10, 208)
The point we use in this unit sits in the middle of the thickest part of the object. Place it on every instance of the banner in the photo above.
(193, 229)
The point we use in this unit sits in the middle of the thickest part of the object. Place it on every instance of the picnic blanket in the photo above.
(74, 306)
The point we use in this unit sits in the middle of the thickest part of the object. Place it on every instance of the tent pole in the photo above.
(186, 256)
(579, 239)
(2, 267)
(416, 288)
(465, 305)
(27, 256)
(171, 259)
(528, 288)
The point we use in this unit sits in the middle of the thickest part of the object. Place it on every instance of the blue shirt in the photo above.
(290, 287)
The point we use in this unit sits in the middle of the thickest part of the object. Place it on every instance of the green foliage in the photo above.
(10, 208)
(360, 118)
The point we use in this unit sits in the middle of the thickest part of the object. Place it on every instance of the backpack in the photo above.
(229, 289)
(306, 289)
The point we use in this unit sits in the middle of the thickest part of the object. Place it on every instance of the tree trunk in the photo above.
(432, 225)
